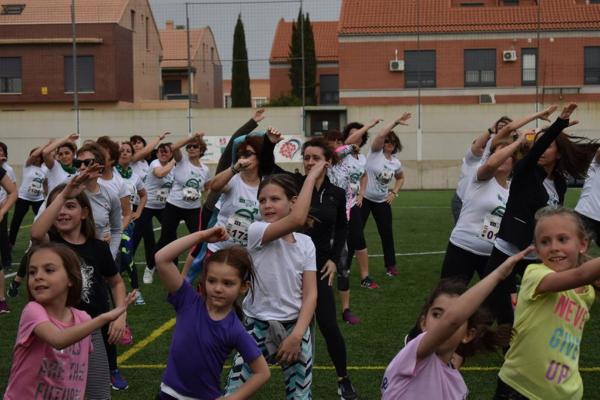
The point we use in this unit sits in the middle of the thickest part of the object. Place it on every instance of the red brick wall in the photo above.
(43, 64)
(365, 66)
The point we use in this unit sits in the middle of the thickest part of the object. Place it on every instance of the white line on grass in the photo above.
(424, 253)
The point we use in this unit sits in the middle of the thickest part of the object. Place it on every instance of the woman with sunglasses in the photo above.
(190, 178)
(58, 158)
(158, 182)
(381, 167)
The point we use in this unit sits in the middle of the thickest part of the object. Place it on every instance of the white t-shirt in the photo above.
(116, 185)
(10, 172)
(106, 209)
(469, 166)
(57, 175)
(346, 175)
(189, 180)
(133, 184)
(32, 183)
(589, 200)
(157, 188)
(279, 267)
(140, 168)
(380, 172)
(238, 209)
(484, 204)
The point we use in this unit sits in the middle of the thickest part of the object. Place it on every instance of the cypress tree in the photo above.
(240, 77)
(310, 62)
(295, 58)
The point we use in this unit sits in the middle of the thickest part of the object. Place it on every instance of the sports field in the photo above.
(422, 224)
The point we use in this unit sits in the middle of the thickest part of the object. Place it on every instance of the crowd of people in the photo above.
(264, 247)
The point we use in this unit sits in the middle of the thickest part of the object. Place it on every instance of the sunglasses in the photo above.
(247, 154)
(192, 146)
(77, 163)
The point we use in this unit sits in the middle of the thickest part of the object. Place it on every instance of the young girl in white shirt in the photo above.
(279, 314)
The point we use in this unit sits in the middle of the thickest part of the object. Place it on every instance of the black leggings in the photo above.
(498, 302)
(355, 241)
(143, 229)
(111, 349)
(5, 258)
(505, 392)
(462, 264)
(170, 221)
(21, 208)
(592, 226)
(327, 321)
(382, 212)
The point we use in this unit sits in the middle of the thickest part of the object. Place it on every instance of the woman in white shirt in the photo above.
(381, 167)
(58, 158)
(184, 200)
(31, 191)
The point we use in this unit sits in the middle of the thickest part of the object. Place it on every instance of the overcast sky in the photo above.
(260, 19)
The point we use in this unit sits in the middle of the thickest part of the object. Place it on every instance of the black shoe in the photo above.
(345, 389)
(13, 289)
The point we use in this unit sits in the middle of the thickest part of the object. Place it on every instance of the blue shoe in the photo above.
(117, 381)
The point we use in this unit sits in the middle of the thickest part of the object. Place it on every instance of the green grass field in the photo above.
(422, 224)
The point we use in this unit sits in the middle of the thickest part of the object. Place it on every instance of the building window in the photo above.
(591, 66)
(227, 103)
(172, 87)
(10, 74)
(85, 74)
(329, 89)
(12, 9)
(480, 67)
(529, 66)
(419, 68)
(258, 102)
(470, 4)
(511, 2)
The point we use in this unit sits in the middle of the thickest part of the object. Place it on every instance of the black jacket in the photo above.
(527, 193)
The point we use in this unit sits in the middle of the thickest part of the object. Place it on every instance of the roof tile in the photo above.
(59, 11)
(326, 41)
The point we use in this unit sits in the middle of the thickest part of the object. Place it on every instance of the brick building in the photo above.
(259, 91)
(468, 51)
(118, 51)
(206, 69)
(326, 48)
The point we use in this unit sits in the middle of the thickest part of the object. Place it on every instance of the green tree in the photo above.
(240, 77)
(295, 58)
(303, 26)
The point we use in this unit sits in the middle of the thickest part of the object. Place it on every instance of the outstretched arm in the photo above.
(176, 147)
(356, 136)
(510, 127)
(573, 278)
(379, 140)
(167, 270)
(488, 169)
(143, 153)
(48, 151)
(11, 190)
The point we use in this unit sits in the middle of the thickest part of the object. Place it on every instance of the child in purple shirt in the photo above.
(208, 328)
(450, 321)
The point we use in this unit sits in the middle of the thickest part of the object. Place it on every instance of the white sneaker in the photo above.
(139, 299)
(148, 276)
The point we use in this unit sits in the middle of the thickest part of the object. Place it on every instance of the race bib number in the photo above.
(35, 188)
(491, 226)
(237, 226)
(161, 195)
(190, 194)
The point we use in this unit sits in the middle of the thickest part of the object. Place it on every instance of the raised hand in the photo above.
(242, 164)
(259, 115)
(507, 266)
(78, 183)
(545, 115)
(317, 169)
(274, 135)
(568, 110)
(402, 120)
(197, 135)
(163, 135)
(374, 122)
(73, 137)
(215, 234)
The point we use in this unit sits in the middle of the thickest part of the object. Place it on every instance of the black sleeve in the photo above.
(225, 159)
(267, 159)
(104, 258)
(2, 173)
(540, 146)
(340, 232)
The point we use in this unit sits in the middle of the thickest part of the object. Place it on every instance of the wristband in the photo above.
(234, 170)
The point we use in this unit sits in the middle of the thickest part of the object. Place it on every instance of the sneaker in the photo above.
(13, 289)
(117, 381)
(139, 299)
(392, 271)
(350, 318)
(369, 283)
(345, 389)
(148, 275)
(4, 307)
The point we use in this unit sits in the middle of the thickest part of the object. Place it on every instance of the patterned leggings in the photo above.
(298, 376)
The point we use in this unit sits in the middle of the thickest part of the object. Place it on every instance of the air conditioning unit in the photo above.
(509, 55)
(396, 65)
(488, 98)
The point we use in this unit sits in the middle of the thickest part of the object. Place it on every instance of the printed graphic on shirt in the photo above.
(384, 178)
(191, 189)
(87, 281)
(36, 187)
